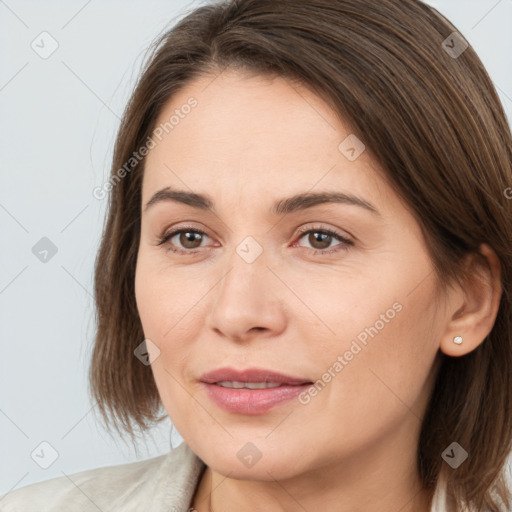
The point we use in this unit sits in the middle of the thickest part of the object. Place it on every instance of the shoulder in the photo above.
(163, 483)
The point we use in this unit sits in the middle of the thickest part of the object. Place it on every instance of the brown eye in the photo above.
(319, 240)
(190, 239)
(185, 240)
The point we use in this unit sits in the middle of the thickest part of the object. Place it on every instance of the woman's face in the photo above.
(337, 294)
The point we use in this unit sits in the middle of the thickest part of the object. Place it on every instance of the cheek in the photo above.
(159, 312)
(170, 313)
(381, 363)
(382, 340)
(164, 298)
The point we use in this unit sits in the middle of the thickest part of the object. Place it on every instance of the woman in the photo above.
(307, 262)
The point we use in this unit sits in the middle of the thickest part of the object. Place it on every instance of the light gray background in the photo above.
(57, 129)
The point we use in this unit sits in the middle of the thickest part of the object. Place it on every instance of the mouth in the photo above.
(251, 376)
(252, 391)
(233, 384)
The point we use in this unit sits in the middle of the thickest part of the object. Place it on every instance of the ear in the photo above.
(473, 306)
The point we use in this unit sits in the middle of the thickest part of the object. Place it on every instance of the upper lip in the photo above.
(250, 375)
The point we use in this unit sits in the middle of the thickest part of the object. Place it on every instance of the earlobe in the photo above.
(476, 305)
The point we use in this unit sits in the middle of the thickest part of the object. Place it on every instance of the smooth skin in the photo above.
(249, 142)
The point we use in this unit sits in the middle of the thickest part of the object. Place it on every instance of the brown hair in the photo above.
(434, 122)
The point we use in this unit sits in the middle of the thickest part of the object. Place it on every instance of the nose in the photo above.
(247, 302)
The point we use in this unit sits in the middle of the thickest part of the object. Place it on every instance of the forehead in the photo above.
(245, 111)
(255, 132)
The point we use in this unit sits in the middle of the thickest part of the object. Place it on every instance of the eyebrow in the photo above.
(280, 207)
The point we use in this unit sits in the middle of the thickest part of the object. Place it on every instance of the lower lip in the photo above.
(252, 401)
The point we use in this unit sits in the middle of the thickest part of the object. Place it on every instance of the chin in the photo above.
(258, 460)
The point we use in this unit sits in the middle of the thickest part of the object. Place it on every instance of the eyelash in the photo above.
(343, 246)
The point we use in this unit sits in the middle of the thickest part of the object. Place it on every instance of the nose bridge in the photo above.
(247, 272)
(244, 297)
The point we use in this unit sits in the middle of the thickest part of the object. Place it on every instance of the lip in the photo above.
(251, 375)
(251, 401)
